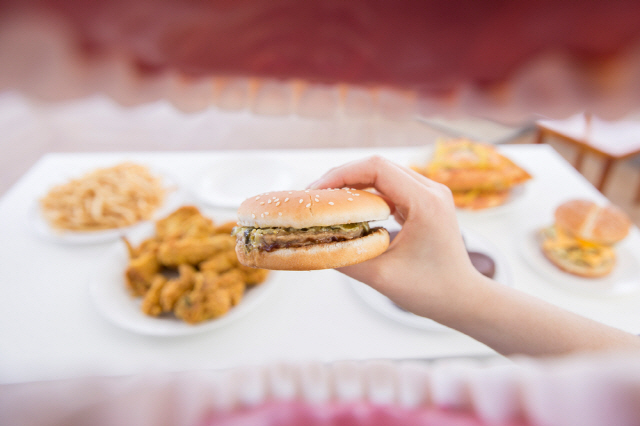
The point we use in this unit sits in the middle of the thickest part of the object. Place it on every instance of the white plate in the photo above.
(624, 279)
(38, 224)
(228, 182)
(112, 300)
(386, 307)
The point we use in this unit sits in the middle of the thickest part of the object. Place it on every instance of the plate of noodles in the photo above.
(103, 204)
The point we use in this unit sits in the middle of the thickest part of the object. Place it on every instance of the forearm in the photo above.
(512, 322)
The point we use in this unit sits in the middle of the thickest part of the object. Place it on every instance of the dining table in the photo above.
(55, 321)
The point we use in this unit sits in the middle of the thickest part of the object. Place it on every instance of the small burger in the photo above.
(310, 229)
(581, 240)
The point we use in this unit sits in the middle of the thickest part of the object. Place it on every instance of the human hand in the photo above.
(426, 268)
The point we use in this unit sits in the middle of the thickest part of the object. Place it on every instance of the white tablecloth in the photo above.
(49, 328)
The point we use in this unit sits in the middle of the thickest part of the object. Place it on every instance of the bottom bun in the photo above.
(317, 256)
(584, 271)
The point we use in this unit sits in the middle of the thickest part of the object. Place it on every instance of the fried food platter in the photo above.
(112, 299)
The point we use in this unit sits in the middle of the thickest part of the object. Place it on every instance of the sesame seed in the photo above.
(269, 202)
(306, 190)
(286, 199)
(257, 198)
(253, 215)
(357, 195)
(273, 198)
(278, 203)
(308, 205)
(301, 200)
(266, 213)
(279, 213)
(261, 203)
(330, 203)
(290, 192)
(262, 215)
(350, 199)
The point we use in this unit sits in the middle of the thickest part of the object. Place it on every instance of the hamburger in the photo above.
(582, 238)
(310, 229)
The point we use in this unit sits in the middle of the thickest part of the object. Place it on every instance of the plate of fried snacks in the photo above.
(479, 176)
(103, 204)
(486, 258)
(584, 250)
(182, 278)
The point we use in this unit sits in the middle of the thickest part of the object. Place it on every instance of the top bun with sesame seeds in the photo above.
(310, 229)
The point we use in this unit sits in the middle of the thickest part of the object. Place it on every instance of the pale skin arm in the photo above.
(427, 271)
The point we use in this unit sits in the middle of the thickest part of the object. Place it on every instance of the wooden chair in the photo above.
(613, 141)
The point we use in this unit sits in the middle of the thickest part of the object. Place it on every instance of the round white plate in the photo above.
(228, 182)
(37, 223)
(111, 298)
(386, 307)
(624, 279)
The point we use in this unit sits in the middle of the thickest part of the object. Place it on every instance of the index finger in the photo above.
(388, 178)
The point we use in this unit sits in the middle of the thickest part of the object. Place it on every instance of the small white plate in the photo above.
(228, 182)
(38, 224)
(386, 307)
(112, 300)
(624, 279)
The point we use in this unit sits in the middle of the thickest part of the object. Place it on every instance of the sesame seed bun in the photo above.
(590, 222)
(315, 207)
(317, 256)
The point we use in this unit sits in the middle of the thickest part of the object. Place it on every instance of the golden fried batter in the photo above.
(175, 288)
(253, 276)
(220, 262)
(186, 222)
(226, 228)
(141, 272)
(193, 250)
(206, 301)
(151, 302)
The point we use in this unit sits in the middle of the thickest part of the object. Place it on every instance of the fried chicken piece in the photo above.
(253, 276)
(233, 282)
(148, 245)
(140, 273)
(220, 262)
(226, 228)
(175, 288)
(151, 302)
(193, 250)
(186, 222)
(206, 301)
